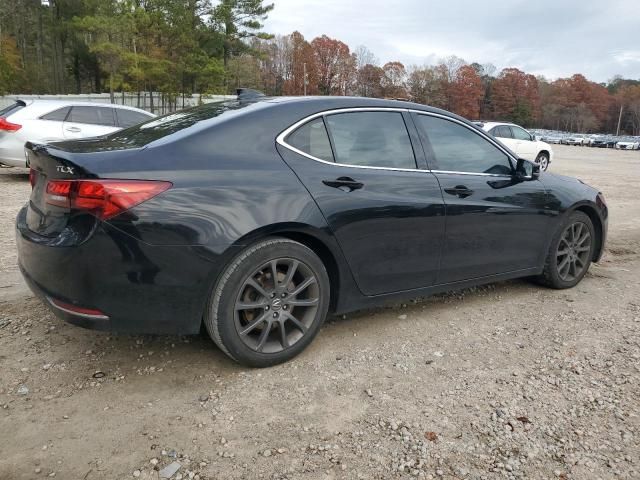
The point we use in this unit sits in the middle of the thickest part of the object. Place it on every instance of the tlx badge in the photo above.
(63, 169)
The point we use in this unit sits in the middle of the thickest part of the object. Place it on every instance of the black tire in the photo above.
(543, 160)
(552, 275)
(249, 275)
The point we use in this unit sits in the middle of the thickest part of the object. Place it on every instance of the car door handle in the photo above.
(344, 183)
(459, 190)
(73, 129)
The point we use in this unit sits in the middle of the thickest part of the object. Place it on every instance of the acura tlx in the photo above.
(260, 216)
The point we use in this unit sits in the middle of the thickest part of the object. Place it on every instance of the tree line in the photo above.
(179, 47)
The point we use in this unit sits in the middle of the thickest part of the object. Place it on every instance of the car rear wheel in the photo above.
(543, 160)
(269, 303)
(570, 253)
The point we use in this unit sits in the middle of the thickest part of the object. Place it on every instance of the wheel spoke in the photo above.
(584, 238)
(274, 273)
(284, 341)
(583, 249)
(297, 322)
(303, 302)
(249, 328)
(300, 288)
(291, 272)
(562, 252)
(252, 305)
(263, 336)
(257, 287)
(563, 264)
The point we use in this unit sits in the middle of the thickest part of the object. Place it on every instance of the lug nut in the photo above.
(267, 307)
(283, 295)
(275, 315)
(284, 307)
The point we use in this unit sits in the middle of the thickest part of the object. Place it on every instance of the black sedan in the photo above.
(259, 216)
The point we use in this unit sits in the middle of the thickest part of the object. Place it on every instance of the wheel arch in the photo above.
(592, 213)
(317, 240)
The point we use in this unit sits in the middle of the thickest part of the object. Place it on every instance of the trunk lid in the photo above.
(47, 164)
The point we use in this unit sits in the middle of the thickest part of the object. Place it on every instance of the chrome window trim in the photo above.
(280, 139)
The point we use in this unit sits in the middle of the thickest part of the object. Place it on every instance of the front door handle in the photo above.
(460, 191)
(73, 129)
(347, 184)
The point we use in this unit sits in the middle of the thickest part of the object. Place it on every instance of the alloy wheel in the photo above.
(276, 305)
(572, 257)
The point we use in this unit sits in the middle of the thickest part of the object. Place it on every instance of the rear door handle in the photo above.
(459, 190)
(73, 129)
(344, 183)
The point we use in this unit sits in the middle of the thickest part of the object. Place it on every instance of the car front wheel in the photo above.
(543, 160)
(570, 252)
(269, 303)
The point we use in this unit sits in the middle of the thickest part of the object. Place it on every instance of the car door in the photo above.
(496, 223)
(380, 201)
(89, 121)
(503, 133)
(526, 146)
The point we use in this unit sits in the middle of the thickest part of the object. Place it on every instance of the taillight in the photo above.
(8, 126)
(103, 198)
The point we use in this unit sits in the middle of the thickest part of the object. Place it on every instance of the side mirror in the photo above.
(526, 170)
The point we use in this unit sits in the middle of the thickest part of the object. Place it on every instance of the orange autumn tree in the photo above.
(515, 97)
(336, 66)
(466, 92)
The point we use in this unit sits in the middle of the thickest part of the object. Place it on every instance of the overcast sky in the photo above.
(554, 38)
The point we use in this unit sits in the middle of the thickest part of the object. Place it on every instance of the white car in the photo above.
(521, 142)
(54, 120)
(628, 145)
(581, 140)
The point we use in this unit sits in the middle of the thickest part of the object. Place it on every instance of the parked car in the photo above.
(52, 120)
(600, 142)
(580, 140)
(259, 216)
(557, 139)
(628, 144)
(521, 142)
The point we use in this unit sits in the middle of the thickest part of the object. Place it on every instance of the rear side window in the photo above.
(58, 115)
(312, 139)
(458, 149)
(129, 118)
(11, 109)
(92, 116)
(372, 139)
(501, 132)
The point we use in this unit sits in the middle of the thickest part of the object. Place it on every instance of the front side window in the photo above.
(92, 116)
(372, 139)
(456, 148)
(312, 139)
(520, 134)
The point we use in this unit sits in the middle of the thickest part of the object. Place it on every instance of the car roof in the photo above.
(68, 103)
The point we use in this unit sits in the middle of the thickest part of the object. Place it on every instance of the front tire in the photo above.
(543, 160)
(570, 252)
(269, 303)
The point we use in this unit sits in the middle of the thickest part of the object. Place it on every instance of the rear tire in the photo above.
(570, 253)
(269, 303)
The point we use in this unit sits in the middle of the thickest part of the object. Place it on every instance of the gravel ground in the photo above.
(508, 380)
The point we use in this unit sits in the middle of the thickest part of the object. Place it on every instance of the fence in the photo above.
(153, 102)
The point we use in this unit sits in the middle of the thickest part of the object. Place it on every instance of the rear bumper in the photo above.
(140, 288)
